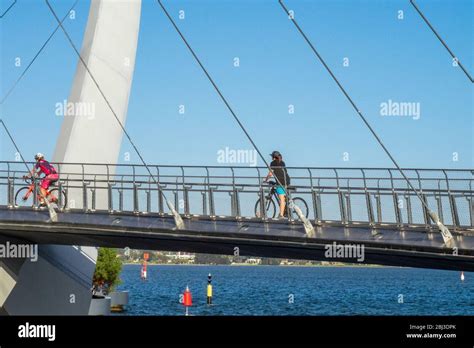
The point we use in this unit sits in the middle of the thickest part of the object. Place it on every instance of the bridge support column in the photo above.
(60, 281)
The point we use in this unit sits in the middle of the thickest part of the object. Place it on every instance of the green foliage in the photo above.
(107, 270)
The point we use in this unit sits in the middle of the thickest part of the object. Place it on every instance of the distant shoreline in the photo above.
(250, 265)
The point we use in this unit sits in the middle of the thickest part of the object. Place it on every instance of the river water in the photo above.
(290, 290)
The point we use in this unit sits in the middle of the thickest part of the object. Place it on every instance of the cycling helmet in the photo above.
(39, 156)
(275, 154)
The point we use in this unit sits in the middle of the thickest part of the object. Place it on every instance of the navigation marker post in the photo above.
(209, 289)
(187, 299)
(143, 270)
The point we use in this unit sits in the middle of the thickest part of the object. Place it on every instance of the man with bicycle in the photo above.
(283, 179)
(51, 176)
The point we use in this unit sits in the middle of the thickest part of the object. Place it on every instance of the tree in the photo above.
(107, 270)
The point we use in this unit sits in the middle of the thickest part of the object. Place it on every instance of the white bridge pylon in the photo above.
(109, 49)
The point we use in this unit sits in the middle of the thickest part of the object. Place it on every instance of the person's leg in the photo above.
(44, 189)
(282, 204)
(282, 197)
(52, 179)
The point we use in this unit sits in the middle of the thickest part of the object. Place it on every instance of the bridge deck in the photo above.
(386, 246)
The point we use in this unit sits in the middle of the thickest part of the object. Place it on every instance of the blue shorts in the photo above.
(280, 190)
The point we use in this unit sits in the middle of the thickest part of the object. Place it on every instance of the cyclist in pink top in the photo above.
(50, 175)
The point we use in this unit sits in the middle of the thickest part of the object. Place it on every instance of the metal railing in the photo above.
(342, 196)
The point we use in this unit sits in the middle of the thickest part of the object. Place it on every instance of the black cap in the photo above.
(275, 154)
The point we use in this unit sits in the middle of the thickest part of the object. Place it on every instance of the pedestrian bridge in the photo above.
(123, 206)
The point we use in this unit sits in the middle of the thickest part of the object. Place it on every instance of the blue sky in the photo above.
(389, 58)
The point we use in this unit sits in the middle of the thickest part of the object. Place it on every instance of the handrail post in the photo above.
(263, 211)
(398, 213)
(10, 194)
(185, 193)
(316, 207)
(161, 210)
(378, 204)
(471, 210)
(471, 203)
(148, 196)
(409, 208)
(186, 200)
(368, 201)
(212, 211)
(237, 203)
(110, 205)
(120, 191)
(136, 209)
(396, 207)
(426, 213)
(204, 203)
(60, 195)
(69, 202)
(454, 210)
(439, 200)
(35, 193)
(84, 196)
(314, 197)
(452, 203)
(348, 203)
(370, 209)
(233, 195)
(94, 188)
(342, 208)
(176, 196)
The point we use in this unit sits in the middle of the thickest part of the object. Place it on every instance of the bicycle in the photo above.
(23, 194)
(271, 207)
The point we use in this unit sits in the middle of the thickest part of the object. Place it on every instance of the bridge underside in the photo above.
(384, 246)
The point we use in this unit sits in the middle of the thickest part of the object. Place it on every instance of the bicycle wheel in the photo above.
(55, 192)
(24, 197)
(301, 203)
(269, 208)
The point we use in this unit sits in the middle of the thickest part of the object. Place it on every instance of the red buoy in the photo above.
(187, 299)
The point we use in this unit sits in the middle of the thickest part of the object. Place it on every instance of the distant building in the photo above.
(253, 261)
(286, 262)
(180, 256)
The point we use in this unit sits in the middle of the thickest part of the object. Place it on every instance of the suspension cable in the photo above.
(446, 234)
(307, 225)
(36, 56)
(441, 40)
(14, 144)
(178, 220)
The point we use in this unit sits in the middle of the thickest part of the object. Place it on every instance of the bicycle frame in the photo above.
(31, 188)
